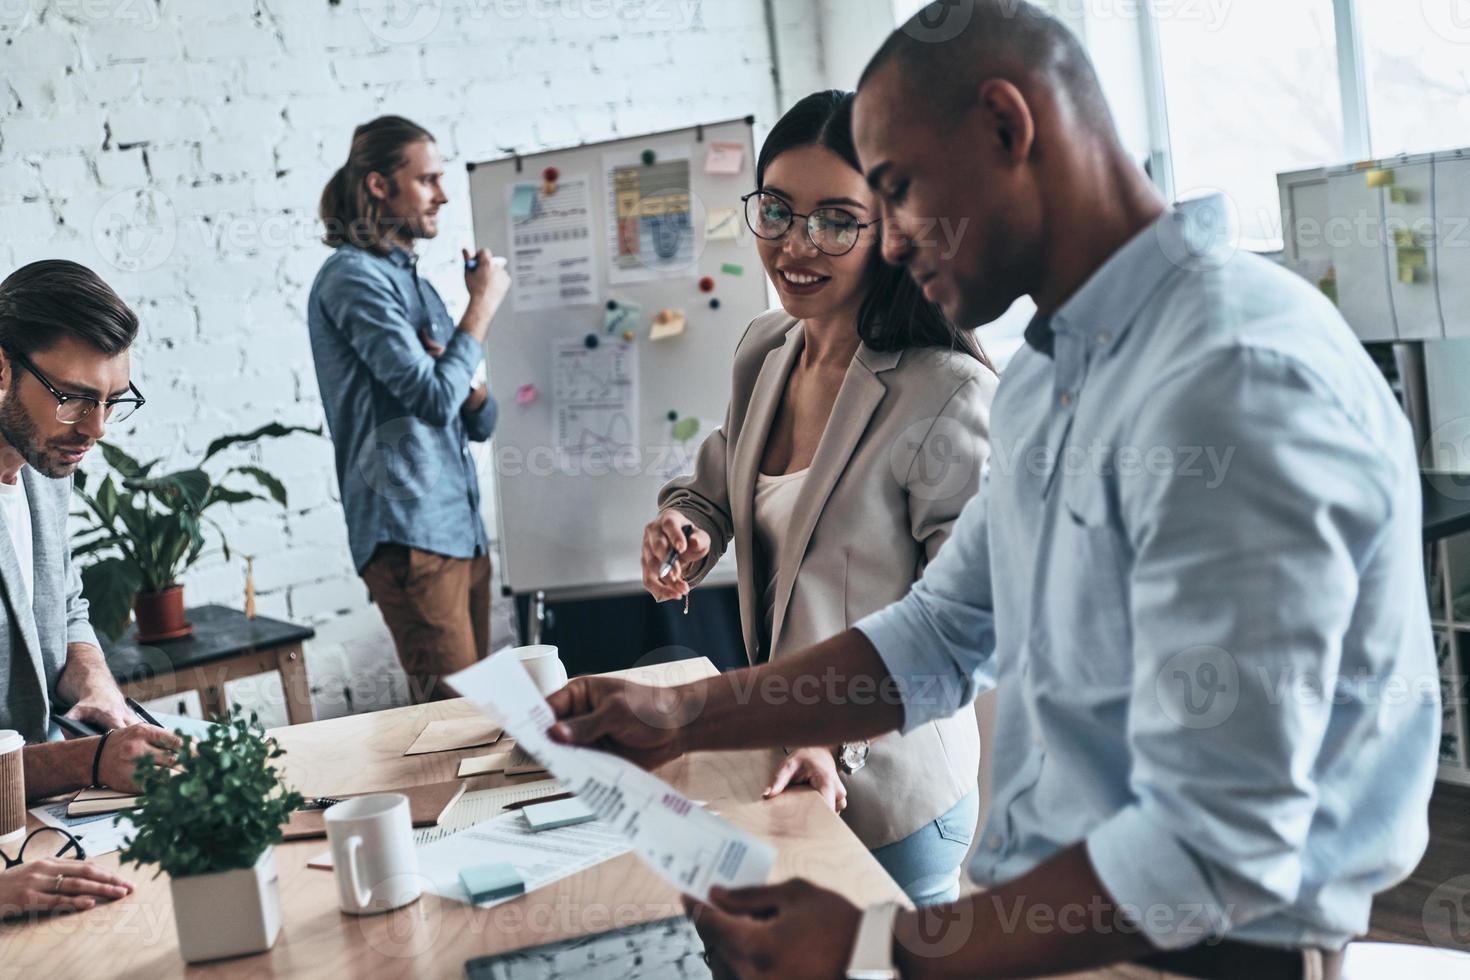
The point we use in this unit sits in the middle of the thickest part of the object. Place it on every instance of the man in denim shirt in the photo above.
(396, 378)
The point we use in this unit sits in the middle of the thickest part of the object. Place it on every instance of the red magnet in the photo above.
(707, 284)
(551, 175)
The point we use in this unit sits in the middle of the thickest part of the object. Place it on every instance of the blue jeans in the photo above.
(926, 863)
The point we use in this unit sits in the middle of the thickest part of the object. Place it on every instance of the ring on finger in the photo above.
(57, 887)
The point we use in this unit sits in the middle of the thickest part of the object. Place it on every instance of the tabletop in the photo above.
(219, 633)
(434, 936)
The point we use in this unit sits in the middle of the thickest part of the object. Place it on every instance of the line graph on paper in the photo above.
(595, 397)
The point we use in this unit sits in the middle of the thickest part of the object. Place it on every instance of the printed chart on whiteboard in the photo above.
(551, 245)
(653, 234)
(595, 397)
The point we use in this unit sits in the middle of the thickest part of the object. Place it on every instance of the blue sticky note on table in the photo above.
(522, 201)
(557, 813)
(487, 882)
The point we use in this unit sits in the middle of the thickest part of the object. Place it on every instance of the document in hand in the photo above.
(687, 845)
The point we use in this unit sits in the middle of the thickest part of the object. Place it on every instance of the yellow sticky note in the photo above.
(1403, 238)
(1413, 258)
(1406, 274)
(1380, 178)
(668, 323)
(1402, 195)
(723, 225)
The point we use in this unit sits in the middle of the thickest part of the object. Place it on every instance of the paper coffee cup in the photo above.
(12, 788)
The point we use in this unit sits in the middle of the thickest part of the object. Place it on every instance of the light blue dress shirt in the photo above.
(1194, 575)
(402, 444)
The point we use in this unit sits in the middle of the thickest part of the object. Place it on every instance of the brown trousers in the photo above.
(436, 608)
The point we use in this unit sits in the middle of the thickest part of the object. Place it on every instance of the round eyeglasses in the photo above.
(71, 409)
(833, 231)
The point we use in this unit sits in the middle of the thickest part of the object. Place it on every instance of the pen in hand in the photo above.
(668, 564)
(142, 712)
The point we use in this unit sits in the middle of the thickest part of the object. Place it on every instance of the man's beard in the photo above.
(19, 430)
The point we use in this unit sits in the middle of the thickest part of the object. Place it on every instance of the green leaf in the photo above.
(184, 490)
(79, 481)
(272, 430)
(273, 486)
(226, 495)
(110, 585)
(119, 460)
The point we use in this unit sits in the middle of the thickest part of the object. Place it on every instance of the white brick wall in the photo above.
(178, 147)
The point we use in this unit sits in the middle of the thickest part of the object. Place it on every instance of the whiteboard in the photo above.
(578, 468)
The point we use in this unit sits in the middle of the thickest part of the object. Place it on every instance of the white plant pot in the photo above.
(228, 913)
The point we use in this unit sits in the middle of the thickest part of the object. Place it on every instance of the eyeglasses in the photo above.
(71, 409)
(833, 231)
(69, 843)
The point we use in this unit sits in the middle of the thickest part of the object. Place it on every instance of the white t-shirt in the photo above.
(17, 512)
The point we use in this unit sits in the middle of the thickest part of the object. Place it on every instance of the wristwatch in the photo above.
(852, 756)
(872, 951)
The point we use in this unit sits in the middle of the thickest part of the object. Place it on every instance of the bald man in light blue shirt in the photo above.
(1193, 572)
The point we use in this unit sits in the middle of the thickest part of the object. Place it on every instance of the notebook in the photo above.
(427, 805)
(97, 800)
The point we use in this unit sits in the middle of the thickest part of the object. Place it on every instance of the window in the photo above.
(1417, 61)
(1251, 89)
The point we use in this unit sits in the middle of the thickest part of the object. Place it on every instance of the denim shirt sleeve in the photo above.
(1239, 584)
(480, 426)
(938, 642)
(372, 320)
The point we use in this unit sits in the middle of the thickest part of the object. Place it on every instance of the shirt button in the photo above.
(1104, 338)
(1066, 399)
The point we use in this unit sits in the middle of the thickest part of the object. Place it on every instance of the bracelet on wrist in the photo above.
(97, 759)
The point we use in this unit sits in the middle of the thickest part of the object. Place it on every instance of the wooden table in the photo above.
(434, 936)
(225, 646)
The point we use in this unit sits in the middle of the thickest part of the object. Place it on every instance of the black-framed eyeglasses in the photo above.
(71, 409)
(834, 231)
(69, 844)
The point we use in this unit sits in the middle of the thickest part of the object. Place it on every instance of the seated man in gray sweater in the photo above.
(64, 339)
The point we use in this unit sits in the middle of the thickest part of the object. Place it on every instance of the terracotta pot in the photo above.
(160, 615)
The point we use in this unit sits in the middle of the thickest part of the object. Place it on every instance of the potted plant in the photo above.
(143, 531)
(211, 823)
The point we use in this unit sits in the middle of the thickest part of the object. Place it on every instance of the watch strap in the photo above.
(872, 950)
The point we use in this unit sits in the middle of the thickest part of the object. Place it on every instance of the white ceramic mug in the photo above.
(545, 667)
(373, 855)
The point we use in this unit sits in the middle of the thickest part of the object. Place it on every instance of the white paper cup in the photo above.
(545, 667)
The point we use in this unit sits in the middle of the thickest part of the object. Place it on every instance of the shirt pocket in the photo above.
(1084, 590)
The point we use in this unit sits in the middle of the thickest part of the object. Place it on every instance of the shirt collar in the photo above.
(1188, 236)
(402, 257)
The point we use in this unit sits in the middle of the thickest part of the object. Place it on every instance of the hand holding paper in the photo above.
(688, 846)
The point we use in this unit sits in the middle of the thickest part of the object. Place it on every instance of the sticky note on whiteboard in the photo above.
(522, 202)
(1380, 178)
(722, 225)
(725, 159)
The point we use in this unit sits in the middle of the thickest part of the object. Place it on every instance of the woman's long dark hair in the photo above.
(351, 215)
(894, 314)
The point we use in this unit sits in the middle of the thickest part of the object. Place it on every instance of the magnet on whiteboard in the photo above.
(592, 341)
(707, 284)
(714, 304)
(649, 158)
(526, 394)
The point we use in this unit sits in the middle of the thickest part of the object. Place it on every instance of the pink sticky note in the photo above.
(727, 159)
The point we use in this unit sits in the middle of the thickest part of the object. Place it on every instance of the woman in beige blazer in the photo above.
(855, 434)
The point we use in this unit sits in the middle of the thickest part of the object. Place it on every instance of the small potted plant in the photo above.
(143, 531)
(212, 823)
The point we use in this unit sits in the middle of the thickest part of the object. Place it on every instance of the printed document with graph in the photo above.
(687, 845)
(594, 393)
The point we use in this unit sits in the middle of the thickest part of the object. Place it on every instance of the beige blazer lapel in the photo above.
(765, 400)
(861, 393)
